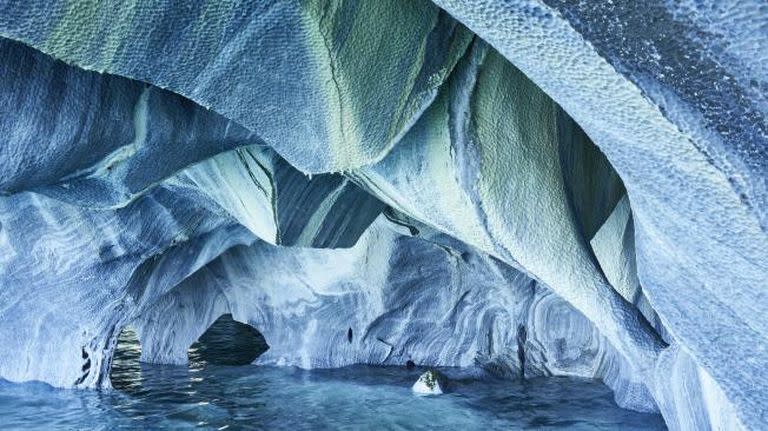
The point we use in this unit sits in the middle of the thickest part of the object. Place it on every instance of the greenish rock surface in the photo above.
(576, 188)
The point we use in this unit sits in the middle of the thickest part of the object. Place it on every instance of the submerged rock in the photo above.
(430, 383)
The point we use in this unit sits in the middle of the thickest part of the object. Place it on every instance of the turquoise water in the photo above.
(210, 396)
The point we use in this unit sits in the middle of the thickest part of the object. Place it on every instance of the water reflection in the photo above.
(228, 342)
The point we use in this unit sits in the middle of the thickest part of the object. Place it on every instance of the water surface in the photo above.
(212, 396)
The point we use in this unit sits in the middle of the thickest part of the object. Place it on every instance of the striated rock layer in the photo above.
(557, 188)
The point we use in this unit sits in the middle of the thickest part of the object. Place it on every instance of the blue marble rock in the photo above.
(523, 188)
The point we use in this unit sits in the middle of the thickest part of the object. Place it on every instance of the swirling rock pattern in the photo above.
(529, 187)
(388, 300)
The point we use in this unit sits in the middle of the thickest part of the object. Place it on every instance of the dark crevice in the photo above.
(82, 378)
(522, 337)
(228, 342)
(389, 214)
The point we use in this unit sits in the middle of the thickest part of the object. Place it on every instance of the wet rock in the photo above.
(430, 383)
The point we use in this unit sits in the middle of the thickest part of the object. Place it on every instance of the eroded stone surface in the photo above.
(125, 202)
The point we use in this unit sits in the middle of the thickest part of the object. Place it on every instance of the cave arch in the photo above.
(677, 186)
(227, 342)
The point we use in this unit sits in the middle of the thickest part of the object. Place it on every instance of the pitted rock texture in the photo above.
(529, 187)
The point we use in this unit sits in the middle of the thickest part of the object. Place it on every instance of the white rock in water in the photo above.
(430, 383)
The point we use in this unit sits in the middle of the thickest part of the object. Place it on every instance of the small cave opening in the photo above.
(125, 371)
(228, 342)
(225, 342)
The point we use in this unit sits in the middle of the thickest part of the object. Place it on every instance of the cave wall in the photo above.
(390, 299)
(175, 133)
(698, 210)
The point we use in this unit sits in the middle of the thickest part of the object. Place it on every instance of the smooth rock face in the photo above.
(557, 188)
(429, 383)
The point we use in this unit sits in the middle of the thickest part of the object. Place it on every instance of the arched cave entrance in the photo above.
(225, 342)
